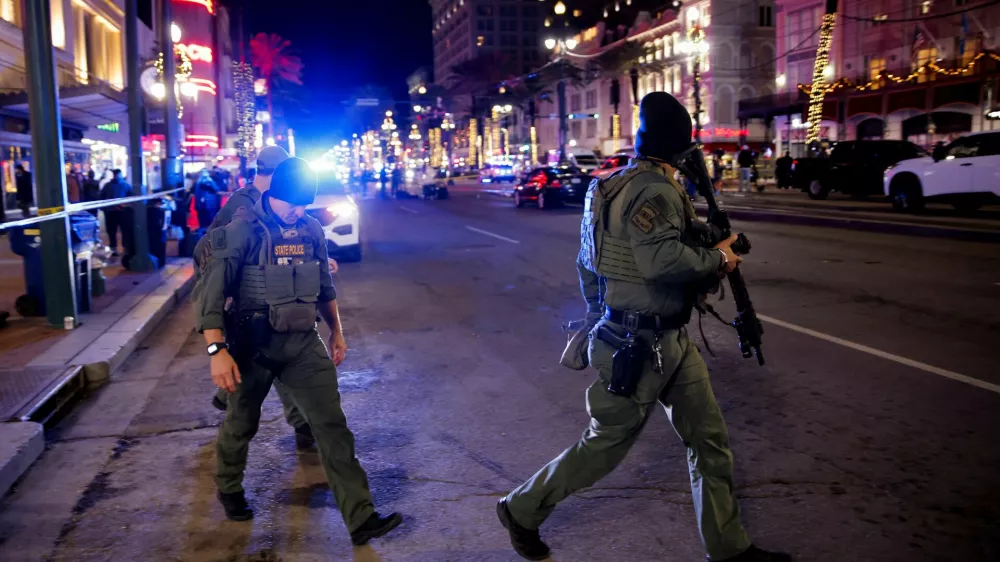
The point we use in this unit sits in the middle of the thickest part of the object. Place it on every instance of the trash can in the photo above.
(26, 242)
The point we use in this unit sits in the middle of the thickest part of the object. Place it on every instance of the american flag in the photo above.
(919, 42)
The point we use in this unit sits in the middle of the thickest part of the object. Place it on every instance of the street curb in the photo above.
(21, 443)
(865, 225)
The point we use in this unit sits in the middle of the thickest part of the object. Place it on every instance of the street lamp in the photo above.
(422, 90)
(550, 43)
(559, 8)
(696, 46)
(560, 46)
(175, 33)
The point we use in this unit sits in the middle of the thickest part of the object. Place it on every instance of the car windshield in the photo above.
(585, 159)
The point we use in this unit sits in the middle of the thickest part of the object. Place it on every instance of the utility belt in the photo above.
(632, 350)
(249, 330)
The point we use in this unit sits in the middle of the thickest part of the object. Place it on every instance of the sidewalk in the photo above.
(43, 369)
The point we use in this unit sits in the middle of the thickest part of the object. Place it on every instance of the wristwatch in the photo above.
(215, 348)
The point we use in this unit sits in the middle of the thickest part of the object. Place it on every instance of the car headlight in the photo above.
(343, 209)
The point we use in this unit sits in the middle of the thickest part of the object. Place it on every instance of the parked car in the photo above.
(497, 173)
(611, 165)
(853, 167)
(551, 186)
(582, 158)
(338, 213)
(965, 173)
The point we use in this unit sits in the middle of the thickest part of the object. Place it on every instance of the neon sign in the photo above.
(201, 141)
(208, 4)
(203, 85)
(196, 52)
(109, 127)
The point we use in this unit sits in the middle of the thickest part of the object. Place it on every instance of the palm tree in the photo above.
(271, 57)
(479, 77)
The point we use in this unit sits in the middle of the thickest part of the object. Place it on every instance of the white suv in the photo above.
(340, 216)
(965, 173)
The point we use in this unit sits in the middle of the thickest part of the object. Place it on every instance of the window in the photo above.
(764, 18)
(480, 41)
(591, 99)
(508, 11)
(575, 130)
(965, 147)
(529, 40)
(925, 7)
(925, 56)
(574, 103)
(10, 11)
(989, 144)
(592, 128)
(529, 12)
(875, 66)
(802, 28)
(484, 11)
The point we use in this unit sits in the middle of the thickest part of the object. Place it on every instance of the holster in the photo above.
(251, 332)
(631, 353)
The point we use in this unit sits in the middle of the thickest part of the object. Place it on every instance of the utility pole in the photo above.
(170, 167)
(563, 125)
(58, 261)
(139, 258)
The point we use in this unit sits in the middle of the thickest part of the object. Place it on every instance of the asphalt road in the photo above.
(869, 436)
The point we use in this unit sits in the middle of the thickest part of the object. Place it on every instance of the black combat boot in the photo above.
(376, 526)
(304, 437)
(526, 542)
(236, 506)
(218, 404)
(754, 554)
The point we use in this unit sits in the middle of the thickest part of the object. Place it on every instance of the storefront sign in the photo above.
(109, 127)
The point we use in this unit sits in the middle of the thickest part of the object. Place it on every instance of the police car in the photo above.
(338, 212)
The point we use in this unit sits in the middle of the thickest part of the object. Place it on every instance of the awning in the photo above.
(88, 105)
(767, 107)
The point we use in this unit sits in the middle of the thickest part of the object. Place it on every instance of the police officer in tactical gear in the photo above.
(246, 197)
(272, 261)
(640, 281)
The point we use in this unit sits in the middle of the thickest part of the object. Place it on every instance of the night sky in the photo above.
(344, 45)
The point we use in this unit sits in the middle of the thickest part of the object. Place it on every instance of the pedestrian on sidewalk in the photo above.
(91, 190)
(783, 171)
(25, 190)
(269, 262)
(745, 161)
(246, 198)
(115, 215)
(717, 171)
(640, 281)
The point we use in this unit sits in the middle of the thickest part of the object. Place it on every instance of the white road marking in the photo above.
(408, 210)
(884, 355)
(497, 236)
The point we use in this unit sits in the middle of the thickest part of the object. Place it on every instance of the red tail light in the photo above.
(555, 183)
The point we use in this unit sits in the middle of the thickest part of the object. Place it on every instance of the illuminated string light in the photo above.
(877, 82)
(819, 77)
(246, 110)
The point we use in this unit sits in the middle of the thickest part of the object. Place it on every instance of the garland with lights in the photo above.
(182, 71)
(246, 109)
(822, 59)
(883, 75)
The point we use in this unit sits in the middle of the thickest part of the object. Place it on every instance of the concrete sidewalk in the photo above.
(43, 369)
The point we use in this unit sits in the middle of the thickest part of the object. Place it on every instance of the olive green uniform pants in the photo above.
(309, 377)
(292, 414)
(615, 425)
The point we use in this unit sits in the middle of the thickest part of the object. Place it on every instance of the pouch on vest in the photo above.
(292, 289)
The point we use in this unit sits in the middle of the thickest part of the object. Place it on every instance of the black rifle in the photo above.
(691, 163)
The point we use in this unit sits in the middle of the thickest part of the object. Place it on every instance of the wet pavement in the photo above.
(854, 443)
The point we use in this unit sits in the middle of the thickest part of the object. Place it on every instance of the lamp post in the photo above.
(696, 46)
(560, 46)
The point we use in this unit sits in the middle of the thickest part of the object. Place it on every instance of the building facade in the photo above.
(920, 70)
(739, 64)
(465, 29)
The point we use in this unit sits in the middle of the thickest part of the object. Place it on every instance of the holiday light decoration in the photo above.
(616, 132)
(182, 71)
(819, 76)
(473, 133)
(886, 76)
(246, 109)
(533, 132)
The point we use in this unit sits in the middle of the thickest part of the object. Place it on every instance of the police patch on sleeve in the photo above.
(646, 217)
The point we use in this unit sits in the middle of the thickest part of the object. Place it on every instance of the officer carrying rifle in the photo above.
(642, 272)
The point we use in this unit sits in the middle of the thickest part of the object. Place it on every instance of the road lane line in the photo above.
(497, 236)
(885, 355)
(408, 210)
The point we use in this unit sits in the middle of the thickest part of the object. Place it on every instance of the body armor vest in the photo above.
(285, 281)
(602, 250)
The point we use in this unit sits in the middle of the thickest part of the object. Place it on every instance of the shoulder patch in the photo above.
(219, 239)
(646, 217)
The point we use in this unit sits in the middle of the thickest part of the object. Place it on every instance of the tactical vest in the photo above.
(285, 281)
(601, 251)
(203, 249)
